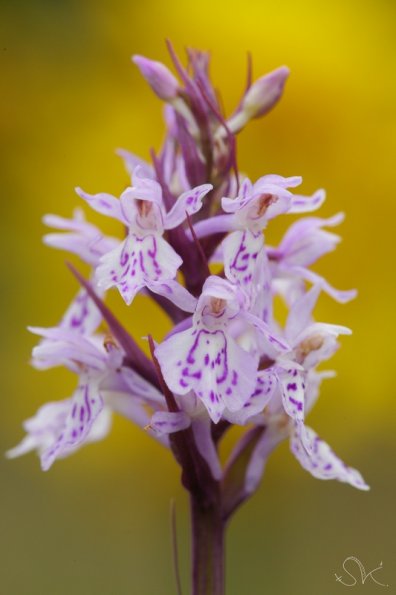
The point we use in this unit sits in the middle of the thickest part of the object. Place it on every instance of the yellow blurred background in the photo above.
(98, 522)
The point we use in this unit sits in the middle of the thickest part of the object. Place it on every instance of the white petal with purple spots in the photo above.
(137, 262)
(321, 461)
(86, 404)
(266, 384)
(241, 250)
(292, 385)
(220, 372)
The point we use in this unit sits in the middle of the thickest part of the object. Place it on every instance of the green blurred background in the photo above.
(98, 522)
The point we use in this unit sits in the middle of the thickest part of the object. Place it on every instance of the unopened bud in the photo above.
(265, 93)
(260, 98)
(159, 77)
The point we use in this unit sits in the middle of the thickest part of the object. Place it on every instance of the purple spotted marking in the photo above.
(298, 404)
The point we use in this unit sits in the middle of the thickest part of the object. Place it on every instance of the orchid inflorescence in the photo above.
(227, 360)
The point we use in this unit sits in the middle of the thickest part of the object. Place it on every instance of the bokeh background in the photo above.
(98, 523)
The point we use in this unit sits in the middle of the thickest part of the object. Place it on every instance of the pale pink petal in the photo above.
(290, 182)
(300, 313)
(168, 422)
(189, 202)
(103, 203)
(306, 204)
(341, 296)
(270, 439)
(202, 430)
(232, 205)
(174, 292)
(132, 161)
(217, 224)
(278, 343)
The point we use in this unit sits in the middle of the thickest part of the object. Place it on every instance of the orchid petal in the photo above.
(189, 202)
(168, 422)
(241, 249)
(300, 314)
(313, 382)
(266, 384)
(217, 224)
(292, 385)
(141, 388)
(290, 182)
(137, 262)
(340, 296)
(321, 461)
(83, 238)
(132, 161)
(174, 292)
(214, 366)
(322, 328)
(82, 316)
(232, 205)
(85, 406)
(65, 348)
(42, 429)
(144, 188)
(276, 342)
(202, 430)
(306, 204)
(305, 241)
(270, 439)
(103, 203)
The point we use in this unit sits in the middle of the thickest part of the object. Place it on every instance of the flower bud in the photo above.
(265, 93)
(159, 77)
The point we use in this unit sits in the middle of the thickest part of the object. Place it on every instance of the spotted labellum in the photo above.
(194, 241)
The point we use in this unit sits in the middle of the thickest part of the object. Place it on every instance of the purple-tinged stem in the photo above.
(208, 541)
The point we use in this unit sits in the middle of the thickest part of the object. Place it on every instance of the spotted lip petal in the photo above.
(266, 384)
(85, 406)
(211, 364)
(137, 262)
(321, 461)
(82, 316)
(42, 429)
(241, 250)
(292, 385)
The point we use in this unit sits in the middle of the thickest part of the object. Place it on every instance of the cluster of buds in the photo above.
(227, 360)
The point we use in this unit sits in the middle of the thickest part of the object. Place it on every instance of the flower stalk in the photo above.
(208, 548)
(227, 361)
